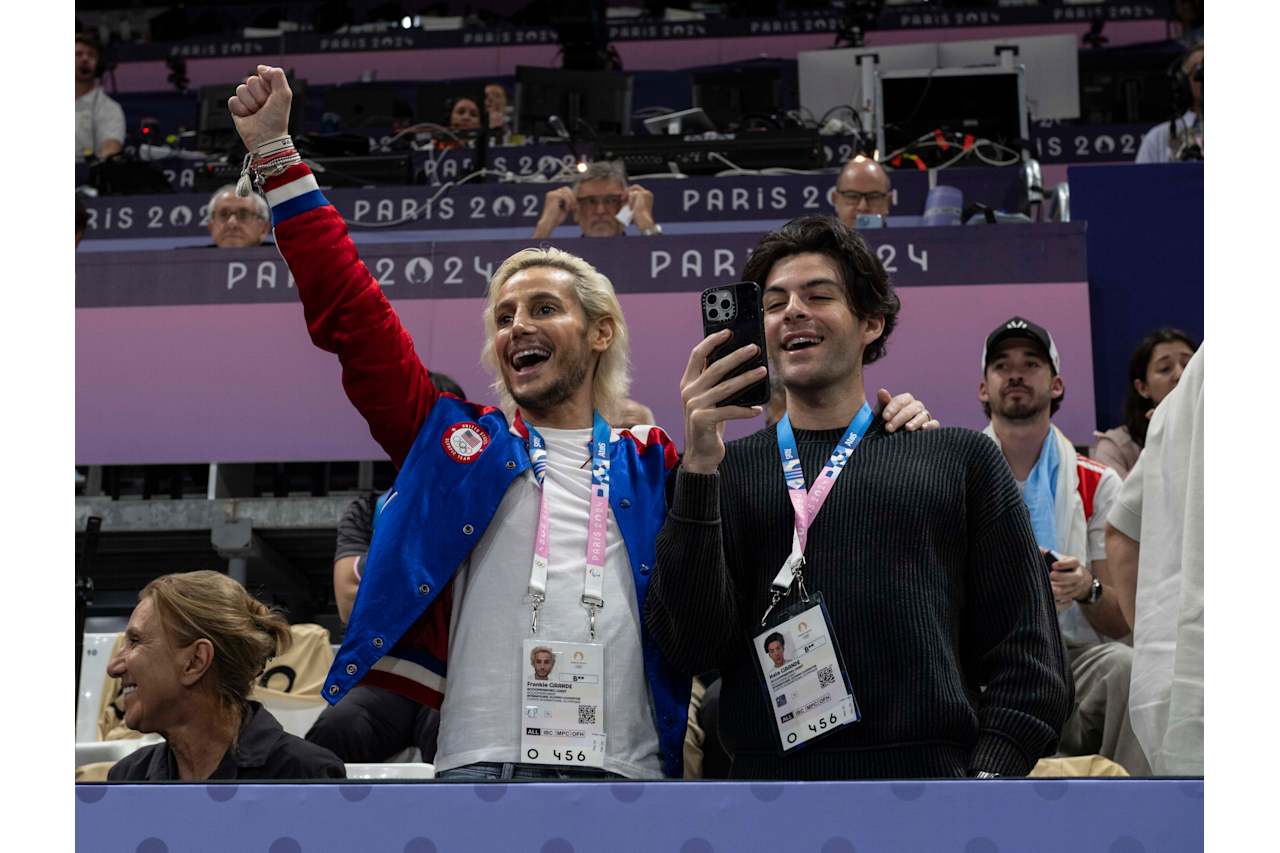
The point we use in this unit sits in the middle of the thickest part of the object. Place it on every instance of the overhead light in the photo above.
(582, 165)
(406, 22)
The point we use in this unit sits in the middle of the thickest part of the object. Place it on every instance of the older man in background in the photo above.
(597, 200)
(863, 187)
(236, 223)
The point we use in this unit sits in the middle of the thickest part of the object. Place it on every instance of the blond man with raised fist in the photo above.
(444, 598)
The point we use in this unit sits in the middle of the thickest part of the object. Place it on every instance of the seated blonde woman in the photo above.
(193, 648)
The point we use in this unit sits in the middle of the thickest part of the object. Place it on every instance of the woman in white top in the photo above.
(1154, 370)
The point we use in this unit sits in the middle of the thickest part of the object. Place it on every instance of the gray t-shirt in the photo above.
(98, 118)
(355, 528)
(480, 720)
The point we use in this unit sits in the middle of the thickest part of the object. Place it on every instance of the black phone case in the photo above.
(747, 324)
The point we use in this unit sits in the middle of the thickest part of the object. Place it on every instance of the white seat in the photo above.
(93, 675)
(406, 770)
(94, 751)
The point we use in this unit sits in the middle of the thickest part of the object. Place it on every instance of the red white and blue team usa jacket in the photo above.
(456, 460)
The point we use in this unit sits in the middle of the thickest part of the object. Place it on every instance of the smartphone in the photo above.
(1051, 557)
(737, 307)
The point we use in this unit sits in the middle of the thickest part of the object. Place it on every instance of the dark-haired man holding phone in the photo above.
(906, 568)
(1068, 498)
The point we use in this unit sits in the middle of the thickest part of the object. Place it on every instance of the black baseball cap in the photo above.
(1020, 327)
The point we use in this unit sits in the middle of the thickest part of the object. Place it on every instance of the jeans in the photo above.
(491, 771)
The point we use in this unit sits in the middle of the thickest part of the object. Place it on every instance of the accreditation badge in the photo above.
(804, 675)
(562, 703)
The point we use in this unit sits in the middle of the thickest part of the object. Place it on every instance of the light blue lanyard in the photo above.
(808, 502)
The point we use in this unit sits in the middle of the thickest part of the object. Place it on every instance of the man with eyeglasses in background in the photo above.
(236, 223)
(597, 200)
(863, 187)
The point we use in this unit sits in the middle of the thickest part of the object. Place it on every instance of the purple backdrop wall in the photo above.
(163, 383)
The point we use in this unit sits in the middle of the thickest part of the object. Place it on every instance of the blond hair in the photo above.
(245, 633)
(612, 378)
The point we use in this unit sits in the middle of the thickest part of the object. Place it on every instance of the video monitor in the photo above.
(589, 103)
(987, 103)
(730, 98)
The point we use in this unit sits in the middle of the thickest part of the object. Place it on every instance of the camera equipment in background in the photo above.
(859, 17)
(177, 73)
(1127, 85)
(597, 101)
(374, 170)
(360, 105)
(125, 175)
(740, 98)
(789, 149)
(582, 27)
(979, 103)
(846, 78)
(679, 123)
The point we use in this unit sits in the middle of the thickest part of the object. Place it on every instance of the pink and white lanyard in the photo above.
(808, 502)
(597, 524)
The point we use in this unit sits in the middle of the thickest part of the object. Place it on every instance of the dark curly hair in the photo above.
(1136, 406)
(865, 281)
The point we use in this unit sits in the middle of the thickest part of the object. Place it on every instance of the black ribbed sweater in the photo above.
(925, 555)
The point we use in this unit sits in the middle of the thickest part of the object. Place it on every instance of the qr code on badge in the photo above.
(826, 677)
(586, 715)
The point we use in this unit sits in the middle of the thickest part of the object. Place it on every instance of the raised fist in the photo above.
(260, 106)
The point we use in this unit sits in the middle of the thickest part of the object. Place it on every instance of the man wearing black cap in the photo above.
(1068, 497)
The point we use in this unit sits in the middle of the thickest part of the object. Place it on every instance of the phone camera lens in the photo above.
(725, 304)
(713, 313)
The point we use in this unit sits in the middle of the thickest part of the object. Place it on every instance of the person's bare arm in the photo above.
(110, 148)
(345, 585)
(1071, 581)
(1122, 568)
(1104, 614)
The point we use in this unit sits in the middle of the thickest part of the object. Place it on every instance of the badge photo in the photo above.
(562, 694)
(803, 674)
(465, 441)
